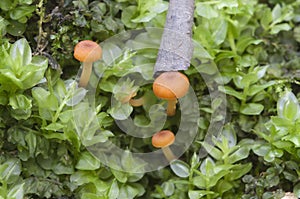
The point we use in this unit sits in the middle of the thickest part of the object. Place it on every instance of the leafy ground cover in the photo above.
(47, 127)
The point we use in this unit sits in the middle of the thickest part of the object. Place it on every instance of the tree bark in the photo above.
(176, 47)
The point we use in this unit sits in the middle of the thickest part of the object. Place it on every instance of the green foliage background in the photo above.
(254, 44)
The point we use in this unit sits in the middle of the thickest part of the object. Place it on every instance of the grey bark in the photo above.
(176, 47)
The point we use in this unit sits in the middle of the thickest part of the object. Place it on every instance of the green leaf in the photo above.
(252, 109)
(120, 175)
(16, 28)
(44, 98)
(238, 171)
(219, 31)
(16, 192)
(3, 25)
(28, 2)
(149, 10)
(245, 42)
(127, 15)
(130, 191)
(33, 73)
(121, 111)
(296, 190)
(20, 52)
(11, 169)
(77, 96)
(227, 3)
(180, 168)
(254, 76)
(254, 89)
(247, 61)
(276, 12)
(54, 127)
(280, 27)
(3, 98)
(230, 91)
(229, 134)
(271, 155)
(60, 168)
(209, 68)
(294, 138)
(199, 194)
(200, 181)
(223, 186)
(213, 151)
(9, 79)
(31, 141)
(266, 19)
(66, 116)
(111, 52)
(100, 137)
(168, 188)
(87, 162)
(261, 150)
(114, 190)
(288, 106)
(207, 166)
(283, 144)
(21, 106)
(206, 10)
(239, 154)
(82, 177)
(296, 33)
(7, 5)
(21, 11)
(60, 89)
(282, 123)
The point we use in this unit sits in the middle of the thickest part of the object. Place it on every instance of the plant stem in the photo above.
(41, 13)
(231, 41)
(86, 73)
(63, 103)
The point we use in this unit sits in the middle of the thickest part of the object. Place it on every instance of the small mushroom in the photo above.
(133, 102)
(163, 139)
(171, 86)
(87, 52)
(136, 102)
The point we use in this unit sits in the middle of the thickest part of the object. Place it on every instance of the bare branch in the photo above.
(176, 48)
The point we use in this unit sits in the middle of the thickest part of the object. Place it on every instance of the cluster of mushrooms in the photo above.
(168, 85)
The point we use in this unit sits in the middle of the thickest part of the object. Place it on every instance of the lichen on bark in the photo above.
(176, 48)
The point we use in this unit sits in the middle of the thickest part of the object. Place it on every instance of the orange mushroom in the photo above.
(163, 139)
(136, 102)
(171, 86)
(87, 52)
(133, 102)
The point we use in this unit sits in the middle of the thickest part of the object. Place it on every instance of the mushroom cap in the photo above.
(87, 51)
(163, 139)
(171, 85)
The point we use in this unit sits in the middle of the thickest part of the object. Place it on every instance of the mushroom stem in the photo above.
(86, 73)
(168, 153)
(136, 102)
(171, 108)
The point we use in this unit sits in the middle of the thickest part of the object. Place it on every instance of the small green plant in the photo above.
(19, 71)
(11, 185)
(14, 15)
(48, 124)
